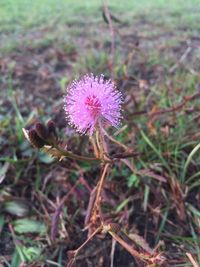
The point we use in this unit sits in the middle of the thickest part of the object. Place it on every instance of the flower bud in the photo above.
(41, 130)
(34, 139)
(51, 129)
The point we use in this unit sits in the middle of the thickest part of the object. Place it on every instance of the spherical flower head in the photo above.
(92, 101)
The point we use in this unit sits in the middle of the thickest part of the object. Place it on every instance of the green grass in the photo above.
(37, 11)
(21, 17)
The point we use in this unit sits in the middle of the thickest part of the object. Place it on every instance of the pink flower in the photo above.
(91, 101)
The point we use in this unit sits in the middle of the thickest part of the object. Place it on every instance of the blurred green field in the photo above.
(44, 45)
(22, 14)
(17, 18)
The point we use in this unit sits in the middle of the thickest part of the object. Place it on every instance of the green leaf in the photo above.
(195, 211)
(16, 260)
(189, 159)
(31, 253)
(122, 204)
(63, 83)
(45, 158)
(2, 221)
(29, 226)
(133, 180)
(16, 207)
(3, 171)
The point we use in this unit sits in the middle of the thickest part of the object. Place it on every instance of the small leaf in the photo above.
(45, 158)
(29, 226)
(31, 253)
(63, 83)
(3, 171)
(16, 207)
(122, 204)
(133, 180)
(16, 260)
(2, 221)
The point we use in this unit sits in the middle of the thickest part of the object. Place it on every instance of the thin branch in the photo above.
(112, 252)
(75, 156)
(100, 185)
(194, 263)
(55, 219)
(174, 108)
(180, 61)
(114, 140)
(96, 151)
(107, 13)
(132, 251)
(73, 253)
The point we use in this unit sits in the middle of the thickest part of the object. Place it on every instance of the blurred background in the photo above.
(151, 49)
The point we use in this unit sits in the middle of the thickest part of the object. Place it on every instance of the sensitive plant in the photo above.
(91, 104)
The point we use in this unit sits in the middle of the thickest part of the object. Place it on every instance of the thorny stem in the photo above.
(103, 154)
(100, 146)
(105, 158)
(101, 141)
(149, 256)
(96, 151)
(124, 244)
(100, 185)
(100, 149)
(95, 209)
(132, 251)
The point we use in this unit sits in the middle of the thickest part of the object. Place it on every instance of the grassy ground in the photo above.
(44, 45)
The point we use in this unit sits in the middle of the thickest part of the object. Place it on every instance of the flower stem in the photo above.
(75, 156)
(100, 185)
(96, 151)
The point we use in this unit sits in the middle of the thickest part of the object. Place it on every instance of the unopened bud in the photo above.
(41, 130)
(52, 129)
(33, 138)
